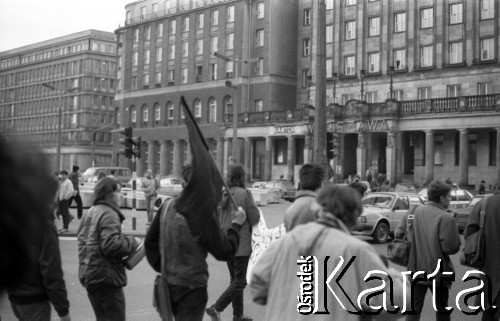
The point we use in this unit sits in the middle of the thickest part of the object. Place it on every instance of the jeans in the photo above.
(188, 304)
(108, 303)
(150, 207)
(79, 204)
(234, 293)
(63, 210)
(35, 311)
(418, 298)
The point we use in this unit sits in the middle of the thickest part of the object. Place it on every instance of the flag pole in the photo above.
(189, 114)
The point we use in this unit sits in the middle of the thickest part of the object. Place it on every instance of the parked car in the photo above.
(258, 184)
(405, 188)
(382, 212)
(170, 185)
(138, 183)
(285, 189)
(462, 214)
(460, 198)
(122, 174)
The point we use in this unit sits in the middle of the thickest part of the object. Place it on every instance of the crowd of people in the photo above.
(318, 225)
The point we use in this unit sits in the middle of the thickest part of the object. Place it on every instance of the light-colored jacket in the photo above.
(66, 190)
(302, 210)
(275, 283)
(150, 186)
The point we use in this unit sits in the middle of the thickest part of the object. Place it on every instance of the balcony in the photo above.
(355, 108)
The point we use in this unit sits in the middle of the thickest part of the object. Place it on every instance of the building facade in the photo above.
(411, 86)
(68, 82)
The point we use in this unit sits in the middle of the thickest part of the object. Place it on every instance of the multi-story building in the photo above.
(410, 85)
(68, 82)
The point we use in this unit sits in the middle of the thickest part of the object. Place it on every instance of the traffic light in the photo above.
(332, 145)
(126, 142)
(136, 146)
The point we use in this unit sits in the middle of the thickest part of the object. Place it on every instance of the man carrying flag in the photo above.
(191, 231)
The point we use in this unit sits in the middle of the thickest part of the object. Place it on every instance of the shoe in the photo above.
(242, 318)
(63, 230)
(214, 314)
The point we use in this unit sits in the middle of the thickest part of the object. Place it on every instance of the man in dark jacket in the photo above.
(358, 186)
(434, 236)
(185, 256)
(303, 210)
(74, 177)
(238, 265)
(491, 265)
(30, 260)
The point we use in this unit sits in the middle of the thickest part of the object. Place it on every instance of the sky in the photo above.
(24, 22)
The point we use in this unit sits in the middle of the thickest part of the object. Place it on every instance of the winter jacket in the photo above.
(492, 240)
(43, 279)
(102, 246)
(434, 236)
(275, 280)
(65, 190)
(244, 199)
(302, 210)
(73, 177)
(186, 255)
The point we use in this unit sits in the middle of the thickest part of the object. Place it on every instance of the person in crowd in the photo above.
(74, 178)
(101, 248)
(433, 236)
(491, 265)
(237, 265)
(275, 282)
(349, 179)
(482, 188)
(112, 173)
(303, 209)
(66, 192)
(150, 186)
(385, 187)
(185, 255)
(358, 186)
(30, 259)
(100, 176)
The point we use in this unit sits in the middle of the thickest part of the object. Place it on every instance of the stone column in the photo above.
(361, 156)
(189, 156)
(220, 154)
(246, 164)
(464, 158)
(268, 160)
(398, 139)
(498, 156)
(152, 157)
(290, 158)
(308, 148)
(369, 154)
(227, 147)
(164, 158)
(429, 156)
(177, 161)
(390, 155)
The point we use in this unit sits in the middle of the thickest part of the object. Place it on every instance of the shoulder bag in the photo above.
(398, 251)
(161, 292)
(473, 254)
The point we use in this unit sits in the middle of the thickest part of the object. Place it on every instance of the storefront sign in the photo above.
(285, 130)
(376, 125)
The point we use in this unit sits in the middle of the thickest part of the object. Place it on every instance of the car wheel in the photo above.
(381, 233)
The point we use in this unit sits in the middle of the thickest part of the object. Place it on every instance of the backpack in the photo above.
(473, 254)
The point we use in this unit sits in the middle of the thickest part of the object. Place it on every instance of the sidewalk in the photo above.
(140, 226)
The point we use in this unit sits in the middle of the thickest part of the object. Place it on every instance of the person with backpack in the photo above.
(433, 236)
(491, 266)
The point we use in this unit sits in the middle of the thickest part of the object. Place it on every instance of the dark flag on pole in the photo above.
(203, 191)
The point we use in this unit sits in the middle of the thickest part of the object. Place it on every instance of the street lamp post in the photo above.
(362, 91)
(391, 72)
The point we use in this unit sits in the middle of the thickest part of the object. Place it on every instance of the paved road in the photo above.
(139, 290)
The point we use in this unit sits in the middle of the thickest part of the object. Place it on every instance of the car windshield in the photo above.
(90, 172)
(382, 201)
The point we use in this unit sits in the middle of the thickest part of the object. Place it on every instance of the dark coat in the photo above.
(492, 238)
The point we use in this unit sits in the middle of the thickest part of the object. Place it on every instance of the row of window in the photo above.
(185, 78)
(54, 71)
(426, 55)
